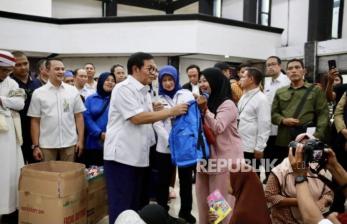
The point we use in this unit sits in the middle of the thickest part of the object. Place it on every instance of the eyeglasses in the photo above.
(271, 64)
(152, 69)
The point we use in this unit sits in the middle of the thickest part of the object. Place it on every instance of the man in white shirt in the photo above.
(275, 81)
(128, 135)
(80, 82)
(56, 113)
(90, 69)
(254, 116)
(193, 72)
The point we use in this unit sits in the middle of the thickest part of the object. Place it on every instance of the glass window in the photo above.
(217, 8)
(264, 10)
(337, 14)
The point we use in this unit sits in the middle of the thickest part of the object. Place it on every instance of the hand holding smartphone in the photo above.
(332, 64)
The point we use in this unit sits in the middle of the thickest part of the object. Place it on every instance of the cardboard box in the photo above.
(53, 192)
(97, 200)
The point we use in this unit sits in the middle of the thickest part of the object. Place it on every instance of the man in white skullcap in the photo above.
(11, 159)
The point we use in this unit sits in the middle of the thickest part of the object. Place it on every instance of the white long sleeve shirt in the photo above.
(10, 103)
(163, 128)
(254, 120)
(270, 88)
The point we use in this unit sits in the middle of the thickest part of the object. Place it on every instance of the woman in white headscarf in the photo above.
(280, 191)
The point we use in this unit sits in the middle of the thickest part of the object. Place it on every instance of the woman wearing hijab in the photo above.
(96, 117)
(280, 191)
(220, 115)
(170, 94)
(250, 205)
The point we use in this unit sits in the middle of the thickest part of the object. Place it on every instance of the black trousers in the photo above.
(185, 175)
(250, 156)
(124, 187)
(164, 167)
(274, 152)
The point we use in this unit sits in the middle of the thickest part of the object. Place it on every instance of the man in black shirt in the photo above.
(21, 75)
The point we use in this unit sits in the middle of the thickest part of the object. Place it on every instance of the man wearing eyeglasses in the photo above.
(276, 79)
(128, 135)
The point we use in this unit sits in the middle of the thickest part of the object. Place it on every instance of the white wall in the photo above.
(344, 23)
(156, 37)
(185, 62)
(30, 7)
(162, 37)
(76, 8)
(103, 64)
(279, 18)
(290, 52)
(232, 9)
(217, 39)
(30, 36)
(298, 21)
(294, 20)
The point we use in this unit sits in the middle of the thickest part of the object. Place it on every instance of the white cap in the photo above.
(7, 59)
(129, 217)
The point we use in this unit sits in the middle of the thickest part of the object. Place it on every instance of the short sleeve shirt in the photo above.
(126, 142)
(56, 107)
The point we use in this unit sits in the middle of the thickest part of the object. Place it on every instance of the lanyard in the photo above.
(241, 109)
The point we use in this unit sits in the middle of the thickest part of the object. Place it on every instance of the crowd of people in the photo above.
(120, 122)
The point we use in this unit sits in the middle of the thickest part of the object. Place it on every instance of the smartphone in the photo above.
(332, 64)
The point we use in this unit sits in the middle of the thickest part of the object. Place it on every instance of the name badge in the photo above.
(66, 106)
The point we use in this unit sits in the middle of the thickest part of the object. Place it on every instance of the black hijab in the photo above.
(100, 86)
(250, 204)
(220, 88)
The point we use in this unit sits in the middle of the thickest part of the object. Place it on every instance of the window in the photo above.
(264, 12)
(217, 8)
(337, 19)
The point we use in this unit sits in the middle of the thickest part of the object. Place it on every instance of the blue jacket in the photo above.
(94, 121)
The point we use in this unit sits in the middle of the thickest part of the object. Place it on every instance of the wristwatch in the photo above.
(34, 147)
(300, 179)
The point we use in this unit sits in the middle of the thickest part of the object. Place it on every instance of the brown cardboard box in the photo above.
(97, 200)
(53, 192)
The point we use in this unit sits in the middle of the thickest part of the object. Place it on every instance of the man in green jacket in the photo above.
(314, 110)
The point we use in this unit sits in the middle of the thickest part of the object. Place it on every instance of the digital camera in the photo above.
(313, 150)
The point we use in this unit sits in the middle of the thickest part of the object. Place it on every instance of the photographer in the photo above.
(307, 206)
(281, 194)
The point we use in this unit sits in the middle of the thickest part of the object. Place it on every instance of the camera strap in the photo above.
(325, 180)
(302, 102)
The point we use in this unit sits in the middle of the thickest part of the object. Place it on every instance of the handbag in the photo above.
(296, 130)
(211, 138)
